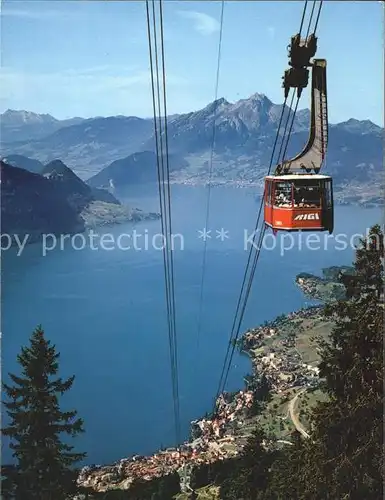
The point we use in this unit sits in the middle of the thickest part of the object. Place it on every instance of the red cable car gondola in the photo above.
(296, 197)
(299, 202)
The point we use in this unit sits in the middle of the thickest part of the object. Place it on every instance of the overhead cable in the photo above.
(162, 156)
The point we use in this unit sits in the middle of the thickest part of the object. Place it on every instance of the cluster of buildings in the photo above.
(285, 369)
(307, 312)
(309, 285)
(229, 407)
(199, 181)
(281, 362)
(210, 445)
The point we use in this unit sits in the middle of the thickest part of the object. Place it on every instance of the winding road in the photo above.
(293, 416)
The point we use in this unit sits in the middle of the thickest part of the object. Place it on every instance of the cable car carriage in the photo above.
(299, 202)
(295, 198)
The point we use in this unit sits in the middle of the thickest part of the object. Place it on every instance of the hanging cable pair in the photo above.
(255, 248)
(158, 87)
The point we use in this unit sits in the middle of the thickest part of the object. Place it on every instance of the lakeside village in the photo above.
(234, 183)
(272, 350)
(352, 195)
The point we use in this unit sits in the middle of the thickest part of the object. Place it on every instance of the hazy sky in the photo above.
(86, 58)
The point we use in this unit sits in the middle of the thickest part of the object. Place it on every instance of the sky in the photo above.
(90, 58)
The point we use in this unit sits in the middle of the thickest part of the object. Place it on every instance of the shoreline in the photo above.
(134, 216)
(338, 199)
(214, 437)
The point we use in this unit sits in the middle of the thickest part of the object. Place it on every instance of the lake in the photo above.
(104, 307)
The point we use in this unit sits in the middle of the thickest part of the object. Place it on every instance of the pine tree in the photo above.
(249, 476)
(261, 395)
(285, 475)
(369, 261)
(368, 268)
(43, 462)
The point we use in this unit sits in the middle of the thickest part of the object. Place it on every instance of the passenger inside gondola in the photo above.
(307, 196)
(283, 195)
(304, 196)
(299, 197)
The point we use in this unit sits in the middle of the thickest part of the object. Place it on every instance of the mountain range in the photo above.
(244, 137)
(26, 125)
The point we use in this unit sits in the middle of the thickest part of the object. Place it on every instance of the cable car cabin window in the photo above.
(268, 193)
(328, 193)
(282, 197)
(307, 195)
